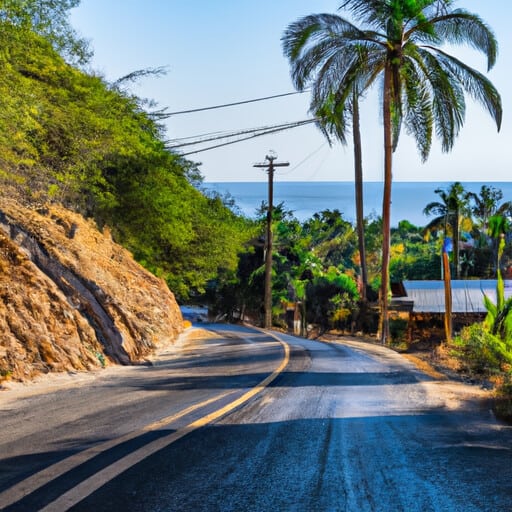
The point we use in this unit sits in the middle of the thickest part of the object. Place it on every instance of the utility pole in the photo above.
(270, 165)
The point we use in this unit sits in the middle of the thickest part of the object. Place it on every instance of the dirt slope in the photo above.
(71, 298)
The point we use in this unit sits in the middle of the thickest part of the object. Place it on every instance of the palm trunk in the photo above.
(358, 179)
(386, 207)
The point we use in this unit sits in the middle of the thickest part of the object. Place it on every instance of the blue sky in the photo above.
(224, 51)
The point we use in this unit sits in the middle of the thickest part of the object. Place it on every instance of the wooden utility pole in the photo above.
(270, 165)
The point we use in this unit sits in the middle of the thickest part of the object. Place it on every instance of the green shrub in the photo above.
(480, 351)
(398, 329)
(503, 398)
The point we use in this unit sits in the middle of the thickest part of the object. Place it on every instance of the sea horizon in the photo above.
(305, 198)
(352, 181)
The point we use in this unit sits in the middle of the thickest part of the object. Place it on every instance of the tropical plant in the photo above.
(499, 315)
(402, 43)
(480, 351)
(488, 203)
(486, 347)
(485, 205)
(331, 238)
(334, 109)
(450, 211)
(332, 299)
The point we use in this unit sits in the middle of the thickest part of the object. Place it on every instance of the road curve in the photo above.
(235, 365)
(343, 427)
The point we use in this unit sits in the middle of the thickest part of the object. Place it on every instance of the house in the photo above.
(421, 304)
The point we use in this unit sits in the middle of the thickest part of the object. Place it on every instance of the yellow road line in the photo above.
(37, 480)
(90, 485)
(93, 483)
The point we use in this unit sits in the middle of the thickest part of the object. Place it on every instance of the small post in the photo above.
(447, 244)
(270, 164)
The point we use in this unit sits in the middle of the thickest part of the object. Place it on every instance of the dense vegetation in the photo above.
(71, 137)
(325, 247)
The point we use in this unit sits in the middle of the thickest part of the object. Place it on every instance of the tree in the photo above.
(332, 299)
(311, 64)
(72, 138)
(449, 214)
(487, 203)
(411, 256)
(50, 19)
(331, 238)
(422, 85)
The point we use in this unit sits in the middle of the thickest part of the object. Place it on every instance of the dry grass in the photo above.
(426, 367)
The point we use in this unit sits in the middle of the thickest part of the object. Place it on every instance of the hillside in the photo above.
(71, 298)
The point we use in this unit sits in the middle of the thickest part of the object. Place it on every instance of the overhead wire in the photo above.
(304, 160)
(234, 133)
(252, 136)
(163, 115)
(209, 134)
(242, 135)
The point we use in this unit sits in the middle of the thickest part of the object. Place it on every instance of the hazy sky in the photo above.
(230, 50)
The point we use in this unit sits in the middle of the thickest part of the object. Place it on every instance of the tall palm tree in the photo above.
(449, 212)
(333, 110)
(422, 85)
(329, 123)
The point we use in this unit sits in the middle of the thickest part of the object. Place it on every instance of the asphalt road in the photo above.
(244, 422)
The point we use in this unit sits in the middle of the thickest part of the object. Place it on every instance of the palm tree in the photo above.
(450, 211)
(329, 122)
(487, 204)
(331, 108)
(422, 85)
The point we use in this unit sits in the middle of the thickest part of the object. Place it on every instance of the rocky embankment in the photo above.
(72, 299)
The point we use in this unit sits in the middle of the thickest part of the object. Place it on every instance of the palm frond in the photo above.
(418, 118)
(448, 104)
(435, 208)
(329, 54)
(505, 208)
(333, 117)
(507, 322)
(492, 313)
(475, 84)
(463, 27)
(312, 39)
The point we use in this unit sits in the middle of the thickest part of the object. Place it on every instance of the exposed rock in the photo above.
(71, 298)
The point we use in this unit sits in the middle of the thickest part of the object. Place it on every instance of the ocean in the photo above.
(306, 198)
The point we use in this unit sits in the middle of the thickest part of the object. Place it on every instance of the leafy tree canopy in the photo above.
(49, 18)
(69, 136)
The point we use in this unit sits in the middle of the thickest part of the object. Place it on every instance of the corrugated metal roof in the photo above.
(467, 295)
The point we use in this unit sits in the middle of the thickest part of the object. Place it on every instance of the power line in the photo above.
(228, 134)
(163, 115)
(304, 160)
(209, 134)
(252, 136)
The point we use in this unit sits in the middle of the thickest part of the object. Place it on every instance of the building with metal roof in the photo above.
(467, 295)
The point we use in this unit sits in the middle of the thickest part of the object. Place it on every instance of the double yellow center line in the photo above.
(91, 484)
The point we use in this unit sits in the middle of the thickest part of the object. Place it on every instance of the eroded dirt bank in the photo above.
(72, 299)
